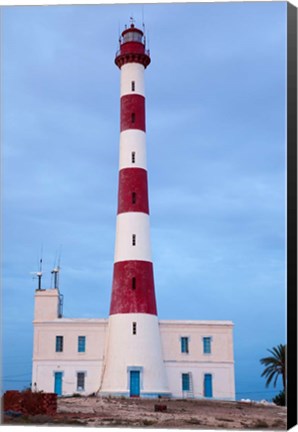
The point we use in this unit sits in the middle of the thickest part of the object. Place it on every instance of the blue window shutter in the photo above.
(184, 344)
(185, 382)
(207, 345)
(81, 343)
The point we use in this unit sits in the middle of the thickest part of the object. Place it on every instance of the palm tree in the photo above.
(275, 365)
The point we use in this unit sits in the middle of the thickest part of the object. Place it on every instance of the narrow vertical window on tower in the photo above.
(134, 239)
(134, 197)
(133, 157)
(133, 117)
(133, 86)
(133, 283)
(134, 328)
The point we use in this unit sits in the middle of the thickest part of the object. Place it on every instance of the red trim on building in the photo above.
(133, 191)
(125, 298)
(132, 112)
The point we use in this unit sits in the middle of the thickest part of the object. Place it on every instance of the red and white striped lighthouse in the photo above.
(133, 364)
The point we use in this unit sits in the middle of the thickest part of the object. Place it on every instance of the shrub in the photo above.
(280, 399)
(147, 422)
(259, 423)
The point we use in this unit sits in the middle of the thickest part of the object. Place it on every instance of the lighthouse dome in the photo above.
(132, 34)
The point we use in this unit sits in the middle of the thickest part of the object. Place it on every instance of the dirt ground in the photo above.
(179, 414)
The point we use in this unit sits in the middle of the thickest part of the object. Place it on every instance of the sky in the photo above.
(216, 147)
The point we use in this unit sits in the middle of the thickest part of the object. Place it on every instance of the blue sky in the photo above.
(215, 100)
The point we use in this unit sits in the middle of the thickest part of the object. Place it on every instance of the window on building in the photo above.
(134, 239)
(184, 344)
(81, 381)
(134, 328)
(81, 343)
(185, 382)
(133, 86)
(207, 345)
(133, 283)
(59, 343)
(134, 197)
(133, 117)
(133, 157)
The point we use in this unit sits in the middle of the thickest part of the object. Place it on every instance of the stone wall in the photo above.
(30, 403)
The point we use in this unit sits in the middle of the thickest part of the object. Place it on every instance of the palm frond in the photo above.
(274, 364)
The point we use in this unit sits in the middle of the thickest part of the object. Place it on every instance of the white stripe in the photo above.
(132, 72)
(129, 224)
(142, 350)
(132, 141)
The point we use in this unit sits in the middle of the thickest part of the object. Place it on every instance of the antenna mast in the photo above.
(143, 20)
(143, 24)
(39, 274)
(55, 272)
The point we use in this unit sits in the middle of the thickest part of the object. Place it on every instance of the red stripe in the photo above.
(133, 191)
(125, 298)
(132, 47)
(132, 112)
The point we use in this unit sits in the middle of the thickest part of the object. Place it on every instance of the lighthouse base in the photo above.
(134, 364)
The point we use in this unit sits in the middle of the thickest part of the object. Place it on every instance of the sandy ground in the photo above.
(182, 413)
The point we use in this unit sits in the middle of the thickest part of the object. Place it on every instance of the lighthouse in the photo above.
(133, 364)
(131, 353)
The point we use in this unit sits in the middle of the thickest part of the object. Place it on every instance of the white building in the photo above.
(69, 354)
(132, 353)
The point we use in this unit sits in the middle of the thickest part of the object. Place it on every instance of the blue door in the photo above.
(208, 385)
(58, 383)
(134, 383)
